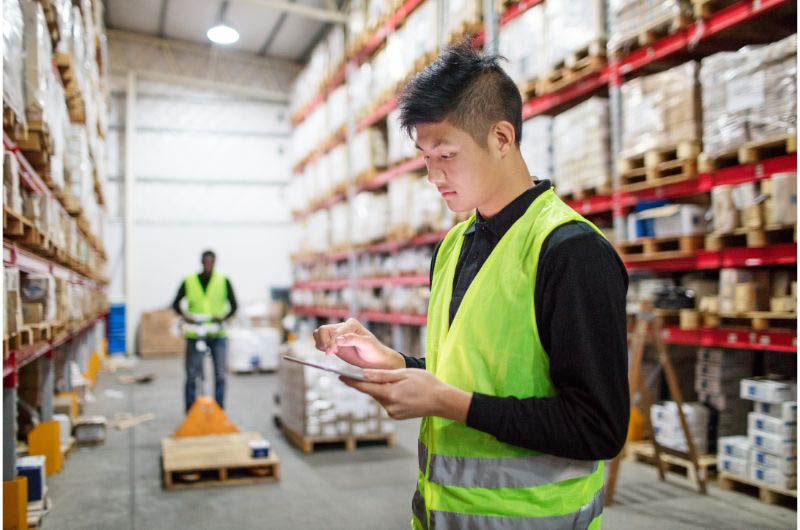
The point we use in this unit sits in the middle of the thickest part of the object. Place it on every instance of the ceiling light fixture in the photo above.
(222, 33)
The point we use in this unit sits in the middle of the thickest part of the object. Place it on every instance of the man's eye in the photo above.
(448, 156)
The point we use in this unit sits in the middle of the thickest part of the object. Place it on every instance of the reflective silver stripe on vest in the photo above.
(525, 472)
(462, 521)
(422, 455)
(418, 509)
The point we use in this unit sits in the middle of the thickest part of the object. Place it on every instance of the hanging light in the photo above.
(222, 34)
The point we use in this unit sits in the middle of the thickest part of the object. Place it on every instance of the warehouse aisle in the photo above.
(368, 489)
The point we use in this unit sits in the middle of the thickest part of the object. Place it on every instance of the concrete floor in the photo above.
(117, 485)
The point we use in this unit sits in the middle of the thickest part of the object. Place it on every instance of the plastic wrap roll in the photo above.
(13, 59)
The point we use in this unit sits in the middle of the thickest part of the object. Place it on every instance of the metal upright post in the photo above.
(130, 179)
(491, 24)
(48, 386)
(9, 432)
(351, 190)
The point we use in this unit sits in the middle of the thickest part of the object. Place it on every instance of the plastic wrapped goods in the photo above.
(661, 110)
(400, 145)
(523, 42)
(537, 146)
(429, 212)
(368, 151)
(576, 23)
(38, 59)
(401, 191)
(460, 16)
(420, 31)
(337, 167)
(581, 147)
(13, 58)
(370, 217)
(340, 225)
(318, 231)
(749, 95)
(629, 18)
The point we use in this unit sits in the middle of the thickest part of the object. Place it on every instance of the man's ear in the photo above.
(502, 138)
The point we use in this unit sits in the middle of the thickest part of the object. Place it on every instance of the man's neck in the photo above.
(505, 194)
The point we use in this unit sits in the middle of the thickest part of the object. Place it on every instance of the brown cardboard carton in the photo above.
(32, 312)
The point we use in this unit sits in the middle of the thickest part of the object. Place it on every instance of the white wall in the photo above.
(210, 173)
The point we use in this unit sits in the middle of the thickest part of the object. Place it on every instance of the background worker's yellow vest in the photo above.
(467, 478)
(211, 302)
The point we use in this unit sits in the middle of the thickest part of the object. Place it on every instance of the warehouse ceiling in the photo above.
(286, 29)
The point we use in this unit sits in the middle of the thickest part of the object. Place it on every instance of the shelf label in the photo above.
(732, 337)
(586, 206)
(756, 5)
(759, 170)
(753, 262)
(753, 338)
(651, 52)
(666, 334)
(765, 340)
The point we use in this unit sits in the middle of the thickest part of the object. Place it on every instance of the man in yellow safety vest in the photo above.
(210, 303)
(523, 389)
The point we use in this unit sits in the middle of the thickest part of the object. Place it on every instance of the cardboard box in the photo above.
(773, 477)
(159, 334)
(738, 447)
(786, 411)
(781, 203)
(761, 423)
(786, 465)
(676, 220)
(32, 312)
(773, 444)
(725, 214)
(735, 466)
(768, 390)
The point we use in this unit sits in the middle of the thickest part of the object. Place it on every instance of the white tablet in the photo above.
(353, 372)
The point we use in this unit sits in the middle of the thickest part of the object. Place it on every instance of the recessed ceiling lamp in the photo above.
(222, 32)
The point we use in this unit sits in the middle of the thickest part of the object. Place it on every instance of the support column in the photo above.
(9, 433)
(130, 178)
(491, 23)
(48, 387)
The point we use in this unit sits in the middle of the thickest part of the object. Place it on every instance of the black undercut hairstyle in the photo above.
(468, 89)
(208, 253)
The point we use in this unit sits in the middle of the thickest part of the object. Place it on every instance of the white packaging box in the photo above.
(785, 464)
(761, 423)
(735, 466)
(768, 390)
(773, 477)
(773, 443)
(738, 447)
(786, 411)
(676, 220)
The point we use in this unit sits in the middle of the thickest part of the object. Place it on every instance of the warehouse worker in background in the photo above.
(523, 391)
(210, 297)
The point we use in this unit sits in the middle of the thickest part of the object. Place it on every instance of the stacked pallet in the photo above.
(637, 23)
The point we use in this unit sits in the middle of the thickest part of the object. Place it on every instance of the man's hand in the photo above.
(413, 393)
(353, 343)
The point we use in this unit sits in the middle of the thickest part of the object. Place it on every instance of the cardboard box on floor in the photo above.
(159, 334)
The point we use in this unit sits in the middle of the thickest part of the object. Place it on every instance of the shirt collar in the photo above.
(510, 214)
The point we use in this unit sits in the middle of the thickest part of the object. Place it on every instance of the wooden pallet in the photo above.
(749, 152)
(766, 494)
(25, 336)
(751, 237)
(705, 8)
(307, 444)
(12, 125)
(215, 460)
(651, 248)
(587, 192)
(13, 223)
(659, 166)
(41, 331)
(647, 35)
(682, 318)
(758, 320)
(569, 74)
(37, 510)
(672, 460)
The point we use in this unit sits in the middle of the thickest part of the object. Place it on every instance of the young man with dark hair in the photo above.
(523, 391)
(211, 300)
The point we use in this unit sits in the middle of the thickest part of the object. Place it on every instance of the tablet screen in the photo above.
(352, 372)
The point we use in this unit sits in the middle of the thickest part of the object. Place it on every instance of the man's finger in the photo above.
(376, 390)
(352, 339)
(385, 376)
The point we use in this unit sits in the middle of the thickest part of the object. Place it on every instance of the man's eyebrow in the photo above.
(435, 145)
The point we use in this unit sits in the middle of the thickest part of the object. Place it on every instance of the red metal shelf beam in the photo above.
(780, 254)
(371, 316)
(375, 282)
(774, 340)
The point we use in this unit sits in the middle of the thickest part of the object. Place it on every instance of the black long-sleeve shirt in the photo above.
(204, 279)
(580, 310)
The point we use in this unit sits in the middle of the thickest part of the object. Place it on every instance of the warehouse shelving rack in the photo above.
(76, 343)
(699, 39)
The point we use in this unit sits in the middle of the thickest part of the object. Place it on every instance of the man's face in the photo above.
(208, 263)
(457, 165)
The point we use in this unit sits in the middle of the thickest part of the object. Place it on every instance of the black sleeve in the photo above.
(231, 300)
(580, 309)
(176, 304)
